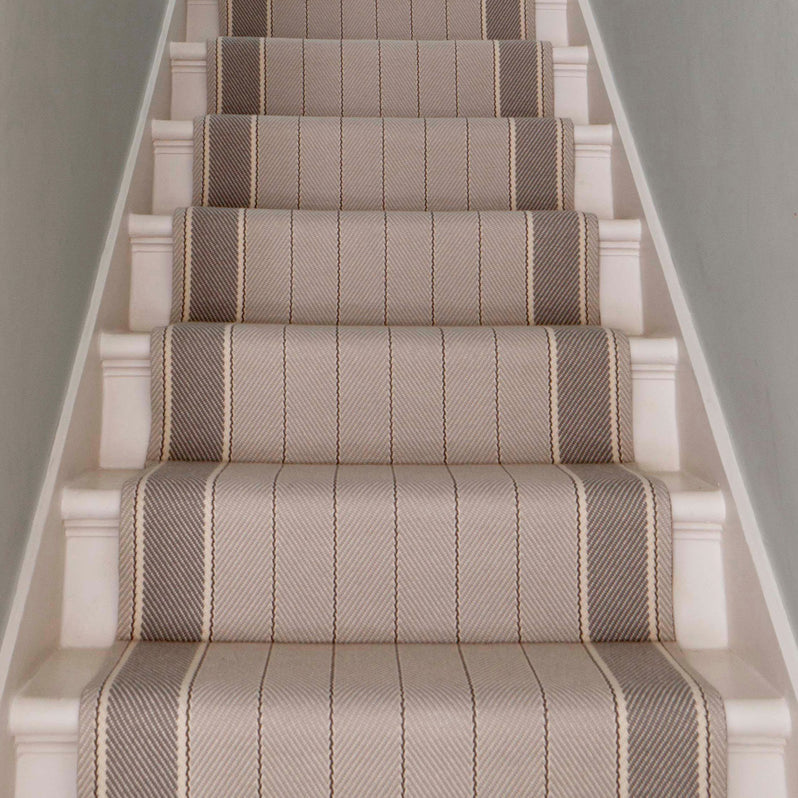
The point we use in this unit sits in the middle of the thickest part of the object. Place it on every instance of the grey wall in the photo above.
(711, 91)
(72, 73)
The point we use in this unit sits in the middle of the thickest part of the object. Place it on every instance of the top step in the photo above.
(546, 20)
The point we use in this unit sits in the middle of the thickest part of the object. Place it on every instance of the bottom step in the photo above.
(44, 722)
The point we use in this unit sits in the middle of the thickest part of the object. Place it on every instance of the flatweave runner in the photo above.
(322, 77)
(391, 539)
(379, 19)
(480, 554)
(323, 163)
(398, 267)
(218, 719)
(296, 394)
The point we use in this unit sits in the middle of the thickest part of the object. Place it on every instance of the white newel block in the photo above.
(190, 88)
(126, 399)
(173, 148)
(173, 151)
(654, 362)
(699, 589)
(593, 170)
(151, 273)
(621, 296)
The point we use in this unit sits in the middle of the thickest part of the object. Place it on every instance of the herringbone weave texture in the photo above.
(298, 77)
(390, 720)
(400, 268)
(293, 394)
(391, 540)
(409, 553)
(321, 163)
(379, 19)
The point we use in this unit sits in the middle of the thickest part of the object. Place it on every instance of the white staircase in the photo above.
(44, 715)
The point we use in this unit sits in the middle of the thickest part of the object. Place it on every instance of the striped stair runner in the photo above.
(391, 539)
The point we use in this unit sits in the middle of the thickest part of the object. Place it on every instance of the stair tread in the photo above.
(49, 703)
(96, 493)
(381, 78)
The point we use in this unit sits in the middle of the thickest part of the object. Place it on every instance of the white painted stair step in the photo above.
(90, 510)
(44, 723)
(551, 20)
(127, 407)
(173, 148)
(151, 273)
(190, 85)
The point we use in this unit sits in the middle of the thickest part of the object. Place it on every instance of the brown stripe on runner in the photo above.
(226, 154)
(503, 19)
(588, 402)
(196, 422)
(544, 164)
(519, 79)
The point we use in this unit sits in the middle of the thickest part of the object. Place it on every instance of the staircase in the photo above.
(389, 498)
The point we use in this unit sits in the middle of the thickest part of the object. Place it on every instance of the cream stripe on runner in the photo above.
(702, 761)
(166, 442)
(560, 175)
(219, 73)
(612, 350)
(241, 271)
(583, 309)
(497, 85)
(554, 409)
(101, 731)
(530, 267)
(208, 524)
(622, 720)
(227, 414)
(651, 554)
(187, 262)
(206, 166)
(139, 537)
(583, 553)
(513, 171)
(182, 730)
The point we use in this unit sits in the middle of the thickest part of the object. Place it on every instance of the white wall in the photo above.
(711, 91)
(71, 77)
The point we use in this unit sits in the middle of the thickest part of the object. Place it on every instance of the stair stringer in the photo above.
(33, 628)
(759, 629)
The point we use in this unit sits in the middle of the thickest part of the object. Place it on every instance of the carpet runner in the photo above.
(391, 539)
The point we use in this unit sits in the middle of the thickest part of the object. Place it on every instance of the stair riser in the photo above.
(91, 584)
(173, 144)
(151, 274)
(127, 405)
(551, 20)
(44, 768)
(190, 90)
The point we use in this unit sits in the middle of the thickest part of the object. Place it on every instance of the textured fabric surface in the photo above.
(370, 267)
(296, 394)
(322, 77)
(304, 553)
(322, 163)
(379, 19)
(563, 720)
